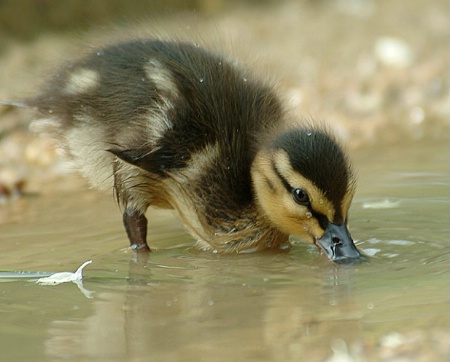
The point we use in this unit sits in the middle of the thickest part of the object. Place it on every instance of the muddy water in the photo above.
(181, 305)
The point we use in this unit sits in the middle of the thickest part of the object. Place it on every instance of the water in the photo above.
(181, 305)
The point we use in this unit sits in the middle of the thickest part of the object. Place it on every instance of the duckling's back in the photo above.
(171, 109)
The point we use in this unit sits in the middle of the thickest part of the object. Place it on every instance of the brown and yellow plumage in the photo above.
(169, 124)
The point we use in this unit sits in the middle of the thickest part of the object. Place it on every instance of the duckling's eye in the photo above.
(300, 197)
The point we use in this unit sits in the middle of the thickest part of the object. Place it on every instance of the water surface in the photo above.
(181, 305)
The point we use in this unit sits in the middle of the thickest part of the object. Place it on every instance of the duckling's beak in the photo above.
(338, 244)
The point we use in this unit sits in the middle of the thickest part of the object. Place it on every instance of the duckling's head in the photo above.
(304, 185)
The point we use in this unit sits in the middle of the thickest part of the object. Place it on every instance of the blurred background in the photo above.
(375, 70)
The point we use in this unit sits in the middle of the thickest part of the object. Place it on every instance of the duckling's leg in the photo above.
(136, 227)
(133, 217)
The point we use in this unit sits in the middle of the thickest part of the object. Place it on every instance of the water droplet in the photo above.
(308, 215)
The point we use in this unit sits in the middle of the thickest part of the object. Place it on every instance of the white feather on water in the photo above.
(66, 277)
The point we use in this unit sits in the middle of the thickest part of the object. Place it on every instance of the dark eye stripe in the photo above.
(321, 218)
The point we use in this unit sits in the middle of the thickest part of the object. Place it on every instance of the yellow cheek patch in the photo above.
(308, 231)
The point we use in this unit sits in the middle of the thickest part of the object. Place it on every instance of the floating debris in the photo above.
(65, 277)
(384, 204)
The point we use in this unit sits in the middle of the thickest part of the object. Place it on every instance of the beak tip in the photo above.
(337, 256)
(339, 246)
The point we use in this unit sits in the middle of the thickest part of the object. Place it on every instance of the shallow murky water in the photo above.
(187, 306)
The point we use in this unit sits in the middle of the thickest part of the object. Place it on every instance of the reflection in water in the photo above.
(299, 321)
(188, 321)
(185, 308)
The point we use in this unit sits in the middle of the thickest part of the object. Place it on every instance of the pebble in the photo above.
(393, 52)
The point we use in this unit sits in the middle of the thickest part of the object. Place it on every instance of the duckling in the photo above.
(171, 125)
